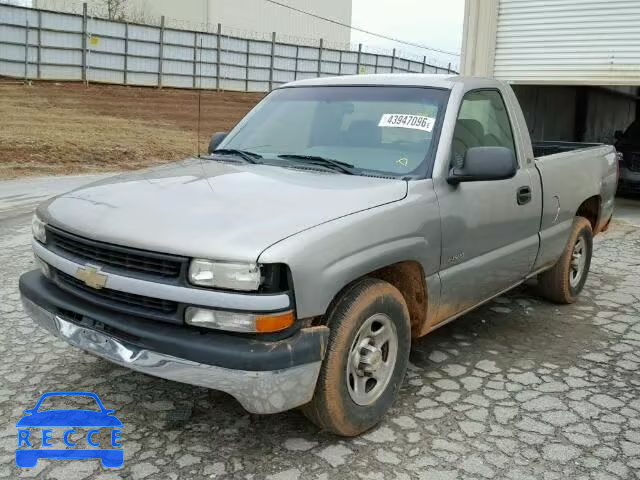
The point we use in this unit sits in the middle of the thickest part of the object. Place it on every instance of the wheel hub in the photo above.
(372, 359)
(578, 261)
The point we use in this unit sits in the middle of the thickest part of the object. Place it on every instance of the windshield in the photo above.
(392, 130)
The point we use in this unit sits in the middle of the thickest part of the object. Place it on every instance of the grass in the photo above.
(54, 129)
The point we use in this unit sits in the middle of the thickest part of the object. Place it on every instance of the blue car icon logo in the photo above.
(31, 447)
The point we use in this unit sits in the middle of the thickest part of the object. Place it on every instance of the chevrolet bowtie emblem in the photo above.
(92, 277)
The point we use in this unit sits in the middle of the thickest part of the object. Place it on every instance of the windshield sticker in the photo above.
(401, 120)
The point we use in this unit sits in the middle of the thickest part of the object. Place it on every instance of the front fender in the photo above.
(326, 258)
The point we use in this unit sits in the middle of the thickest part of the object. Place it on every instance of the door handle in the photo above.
(524, 195)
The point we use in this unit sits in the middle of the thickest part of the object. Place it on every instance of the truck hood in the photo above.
(204, 208)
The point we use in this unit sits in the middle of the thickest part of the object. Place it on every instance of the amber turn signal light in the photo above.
(274, 323)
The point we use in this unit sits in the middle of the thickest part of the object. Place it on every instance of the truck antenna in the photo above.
(199, 94)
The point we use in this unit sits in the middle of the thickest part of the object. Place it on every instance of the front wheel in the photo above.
(366, 359)
(565, 280)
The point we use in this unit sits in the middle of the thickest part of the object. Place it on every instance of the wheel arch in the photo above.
(408, 277)
(590, 209)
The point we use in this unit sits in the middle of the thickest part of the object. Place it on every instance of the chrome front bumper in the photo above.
(257, 391)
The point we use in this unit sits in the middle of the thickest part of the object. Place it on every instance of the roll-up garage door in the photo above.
(592, 42)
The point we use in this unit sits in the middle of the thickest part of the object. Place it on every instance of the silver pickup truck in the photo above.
(340, 219)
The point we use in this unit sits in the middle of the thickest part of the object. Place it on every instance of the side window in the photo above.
(483, 121)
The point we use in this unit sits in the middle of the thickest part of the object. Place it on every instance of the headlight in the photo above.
(238, 321)
(233, 276)
(37, 227)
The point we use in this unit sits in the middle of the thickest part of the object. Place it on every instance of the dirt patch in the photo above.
(64, 128)
(408, 277)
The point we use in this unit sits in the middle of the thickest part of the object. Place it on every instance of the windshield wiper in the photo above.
(337, 165)
(250, 157)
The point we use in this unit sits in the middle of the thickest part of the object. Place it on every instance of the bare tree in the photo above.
(123, 10)
(138, 14)
(114, 9)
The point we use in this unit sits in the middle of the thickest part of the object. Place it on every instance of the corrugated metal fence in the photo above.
(41, 44)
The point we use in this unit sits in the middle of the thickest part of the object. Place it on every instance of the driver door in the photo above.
(489, 234)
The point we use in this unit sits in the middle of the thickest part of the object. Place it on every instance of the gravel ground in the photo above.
(518, 389)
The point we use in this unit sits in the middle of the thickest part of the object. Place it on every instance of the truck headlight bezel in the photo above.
(243, 276)
(38, 229)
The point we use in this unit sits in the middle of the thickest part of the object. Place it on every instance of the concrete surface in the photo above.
(518, 389)
(628, 210)
(22, 195)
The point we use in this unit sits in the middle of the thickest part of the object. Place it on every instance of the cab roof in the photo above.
(447, 81)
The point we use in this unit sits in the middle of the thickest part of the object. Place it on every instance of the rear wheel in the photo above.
(366, 358)
(564, 282)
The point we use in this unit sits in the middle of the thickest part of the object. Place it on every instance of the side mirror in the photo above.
(618, 134)
(216, 140)
(485, 163)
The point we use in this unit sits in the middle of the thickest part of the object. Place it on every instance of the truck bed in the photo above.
(542, 149)
(569, 174)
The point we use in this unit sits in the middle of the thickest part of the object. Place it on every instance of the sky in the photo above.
(435, 23)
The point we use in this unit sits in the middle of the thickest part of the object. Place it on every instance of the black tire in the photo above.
(332, 406)
(555, 284)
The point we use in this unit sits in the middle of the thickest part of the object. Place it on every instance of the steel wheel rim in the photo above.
(578, 261)
(372, 359)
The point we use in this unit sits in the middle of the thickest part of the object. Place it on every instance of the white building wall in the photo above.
(241, 16)
(561, 42)
(479, 37)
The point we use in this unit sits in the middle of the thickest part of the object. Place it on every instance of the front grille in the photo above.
(122, 258)
(633, 161)
(118, 300)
